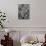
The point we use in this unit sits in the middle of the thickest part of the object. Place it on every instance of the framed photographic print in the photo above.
(20, 14)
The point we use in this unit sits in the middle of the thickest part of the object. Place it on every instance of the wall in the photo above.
(37, 13)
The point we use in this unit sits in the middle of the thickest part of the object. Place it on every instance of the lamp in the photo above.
(7, 31)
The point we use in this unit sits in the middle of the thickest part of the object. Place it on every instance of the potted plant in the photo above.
(2, 19)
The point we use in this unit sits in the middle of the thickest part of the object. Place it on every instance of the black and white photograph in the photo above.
(23, 11)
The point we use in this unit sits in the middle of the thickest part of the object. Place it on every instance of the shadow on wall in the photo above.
(16, 43)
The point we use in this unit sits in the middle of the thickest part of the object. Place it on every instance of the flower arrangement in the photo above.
(2, 19)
